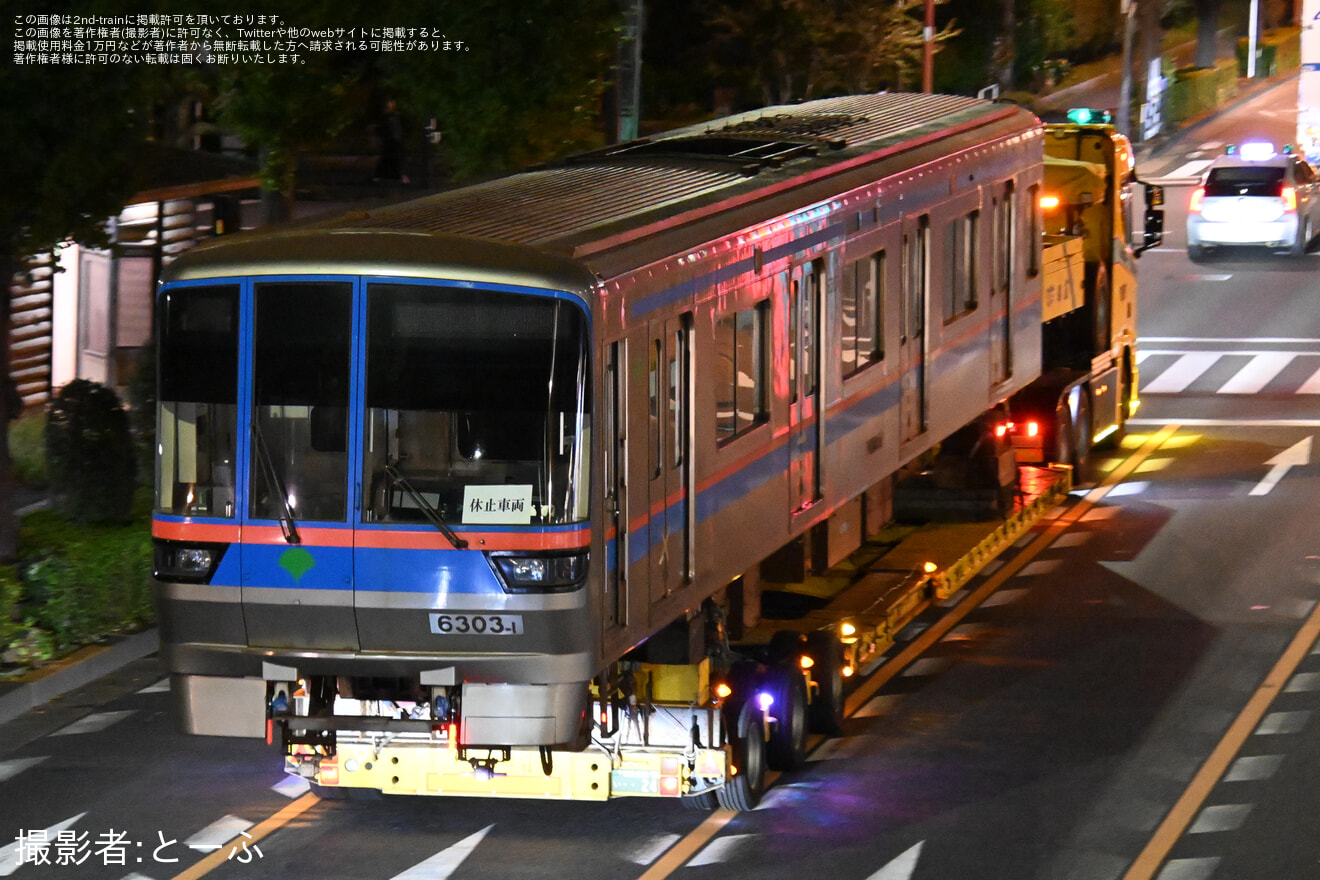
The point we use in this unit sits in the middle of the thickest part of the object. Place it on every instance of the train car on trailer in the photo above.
(473, 481)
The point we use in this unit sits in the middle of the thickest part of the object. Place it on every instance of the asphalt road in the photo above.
(1138, 700)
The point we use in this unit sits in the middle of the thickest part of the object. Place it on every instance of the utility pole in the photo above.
(928, 50)
(1128, 9)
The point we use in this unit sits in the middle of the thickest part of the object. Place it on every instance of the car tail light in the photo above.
(1289, 196)
(1198, 195)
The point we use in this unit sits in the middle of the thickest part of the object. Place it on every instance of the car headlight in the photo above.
(541, 572)
(189, 561)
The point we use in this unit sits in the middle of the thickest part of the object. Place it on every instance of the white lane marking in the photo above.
(720, 849)
(292, 787)
(1190, 169)
(11, 768)
(653, 848)
(160, 687)
(927, 666)
(843, 747)
(218, 833)
(1253, 768)
(1303, 682)
(1186, 370)
(1258, 373)
(1040, 566)
(135, 876)
(902, 867)
(94, 722)
(1004, 597)
(1297, 455)
(1221, 817)
(1134, 488)
(1189, 869)
(16, 854)
(445, 862)
(1283, 722)
(1072, 539)
(880, 704)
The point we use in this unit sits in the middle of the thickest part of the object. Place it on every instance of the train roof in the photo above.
(603, 209)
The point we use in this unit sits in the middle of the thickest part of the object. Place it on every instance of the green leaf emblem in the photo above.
(297, 562)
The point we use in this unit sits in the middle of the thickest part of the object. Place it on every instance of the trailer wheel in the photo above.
(826, 714)
(702, 802)
(787, 748)
(743, 792)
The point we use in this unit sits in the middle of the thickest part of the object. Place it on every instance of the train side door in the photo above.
(805, 304)
(912, 346)
(669, 410)
(616, 430)
(1003, 246)
(297, 551)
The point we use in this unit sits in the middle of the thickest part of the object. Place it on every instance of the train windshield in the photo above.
(198, 407)
(476, 407)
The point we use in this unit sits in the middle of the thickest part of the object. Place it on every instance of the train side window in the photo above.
(861, 314)
(1034, 231)
(740, 371)
(916, 269)
(1004, 241)
(961, 297)
(654, 455)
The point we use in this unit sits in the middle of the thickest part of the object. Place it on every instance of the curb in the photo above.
(80, 669)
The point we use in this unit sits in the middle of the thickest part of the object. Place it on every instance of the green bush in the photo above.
(89, 454)
(11, 608)
(80, 582)
(27, 450)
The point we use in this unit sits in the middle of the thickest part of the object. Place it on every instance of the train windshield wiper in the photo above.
(275, 485)
(428, 510)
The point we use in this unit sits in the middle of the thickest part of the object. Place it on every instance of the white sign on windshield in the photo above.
(498, 505)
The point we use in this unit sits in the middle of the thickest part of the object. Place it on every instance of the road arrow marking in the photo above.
(445, 862)
(1298, 454)
(902, 867)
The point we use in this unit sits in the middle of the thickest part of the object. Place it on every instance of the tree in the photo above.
(519, 83)
(70, 134)
(794, 49)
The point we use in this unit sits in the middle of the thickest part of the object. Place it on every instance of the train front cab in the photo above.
(376, 488)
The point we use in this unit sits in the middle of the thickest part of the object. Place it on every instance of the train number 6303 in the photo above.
(477, 624)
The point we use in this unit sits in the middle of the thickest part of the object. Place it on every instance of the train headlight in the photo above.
(186, 560)
(541, 572)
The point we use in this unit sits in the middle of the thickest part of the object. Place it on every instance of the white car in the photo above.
(1254, 196)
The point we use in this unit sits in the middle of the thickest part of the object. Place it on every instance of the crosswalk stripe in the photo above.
(1186, 370)
(1311, 385)
(1257, 373)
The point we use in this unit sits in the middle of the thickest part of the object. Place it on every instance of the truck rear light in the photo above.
(1198, 196)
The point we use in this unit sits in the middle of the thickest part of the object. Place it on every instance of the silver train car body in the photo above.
(479, 446)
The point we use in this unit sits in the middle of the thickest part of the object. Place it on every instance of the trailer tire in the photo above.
(702, 802)
(787, 748)
(826, 714)
(743, 792)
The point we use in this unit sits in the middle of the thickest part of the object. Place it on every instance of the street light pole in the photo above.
(1128, 8)
(928, 50)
